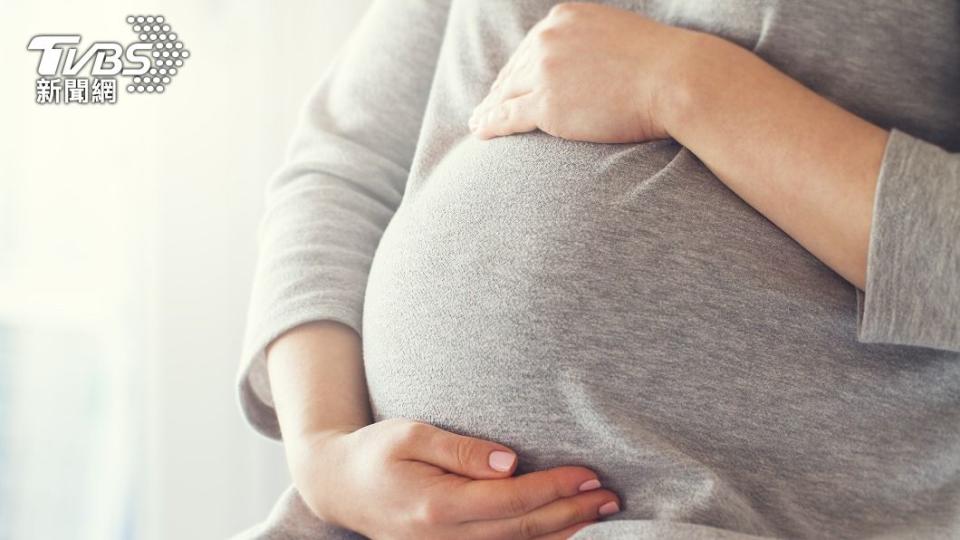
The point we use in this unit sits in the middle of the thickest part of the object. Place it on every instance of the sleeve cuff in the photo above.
(912, 293)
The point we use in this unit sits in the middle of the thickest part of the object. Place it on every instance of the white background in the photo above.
(132, 226)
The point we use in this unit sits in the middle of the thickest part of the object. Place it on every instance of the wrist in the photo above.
(697, 67)
(319, 436)
(309, 457)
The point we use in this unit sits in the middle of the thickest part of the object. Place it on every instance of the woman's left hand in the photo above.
(585, 72)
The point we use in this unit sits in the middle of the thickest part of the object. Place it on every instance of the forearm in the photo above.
(806, 164)
(317, 379)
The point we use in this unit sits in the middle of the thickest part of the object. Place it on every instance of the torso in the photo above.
(616, 306)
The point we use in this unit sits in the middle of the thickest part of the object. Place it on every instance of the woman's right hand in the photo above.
(399, 479)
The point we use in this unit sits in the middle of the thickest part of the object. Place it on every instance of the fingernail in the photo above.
(501, 461)
(590, 484)
(608, 508)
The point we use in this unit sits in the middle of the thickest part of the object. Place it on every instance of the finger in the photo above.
(513, 79)
(465, 456)
(518, 79)
(517, 115)
(510, 497)
(506, 69)
(503, 76)
(519, 54)
(566, 533)
(512, 85)
(552, 517)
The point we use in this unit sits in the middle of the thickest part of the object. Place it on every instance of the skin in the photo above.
(403, 479)
(803, 162)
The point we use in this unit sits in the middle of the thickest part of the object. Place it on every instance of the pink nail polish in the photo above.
(608, 508)
(590, 484)
(501, 461)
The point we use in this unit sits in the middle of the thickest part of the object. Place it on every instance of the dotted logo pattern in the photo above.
(167, 53)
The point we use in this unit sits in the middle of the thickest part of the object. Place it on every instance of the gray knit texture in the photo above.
(616, 306)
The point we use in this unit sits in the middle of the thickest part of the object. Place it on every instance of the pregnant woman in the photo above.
(631, 269)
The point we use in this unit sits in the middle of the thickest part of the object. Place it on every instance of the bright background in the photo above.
(127, 246)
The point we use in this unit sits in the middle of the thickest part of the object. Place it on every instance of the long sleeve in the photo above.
(343, 178)
(912, 294)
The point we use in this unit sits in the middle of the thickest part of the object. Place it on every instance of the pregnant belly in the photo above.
(617, 307)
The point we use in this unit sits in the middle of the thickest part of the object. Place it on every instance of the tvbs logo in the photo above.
(149, 64)
(107, 56)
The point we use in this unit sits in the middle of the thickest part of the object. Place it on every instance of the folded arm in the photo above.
(881, 209)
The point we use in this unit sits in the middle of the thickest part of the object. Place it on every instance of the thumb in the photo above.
(474, 458)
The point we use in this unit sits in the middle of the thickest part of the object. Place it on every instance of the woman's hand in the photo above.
(585, 72)
(404, 479)
(599, 74)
